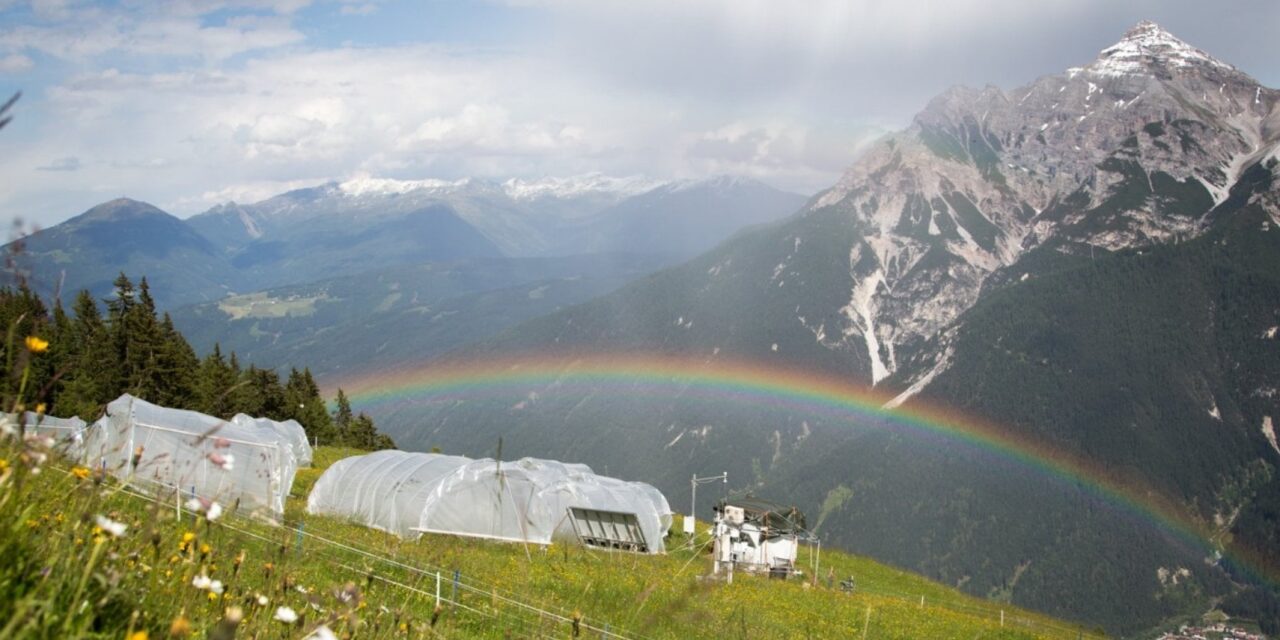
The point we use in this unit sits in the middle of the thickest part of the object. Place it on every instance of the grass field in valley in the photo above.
(86, 557)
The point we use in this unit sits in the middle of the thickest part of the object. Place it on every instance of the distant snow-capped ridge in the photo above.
(364, 184)
(573, 186)
(515, 188)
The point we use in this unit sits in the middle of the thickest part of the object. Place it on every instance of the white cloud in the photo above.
(86, 31)
(189, 102)
(362, 9)
(16, 63)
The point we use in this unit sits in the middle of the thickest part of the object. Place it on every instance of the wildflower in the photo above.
(201, 582)
(116, 529)
(226, 627)
(209, 508)
(221, 443)
(180, 628)
(262, 600)
(226, 461)
(215, 586)
(185, 543)
(136, 635)
(40, 408)
(80, 472)
(286, 615)
(322, 633)
(36, 345)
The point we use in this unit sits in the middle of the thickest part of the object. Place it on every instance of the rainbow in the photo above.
(768, 385)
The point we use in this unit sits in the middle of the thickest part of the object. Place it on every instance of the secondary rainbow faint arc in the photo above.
(741, 380)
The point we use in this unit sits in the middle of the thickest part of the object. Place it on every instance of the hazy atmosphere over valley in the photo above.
(982, 299)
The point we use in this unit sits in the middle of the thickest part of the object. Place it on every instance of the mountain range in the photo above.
(1090, 262)
(365, 224)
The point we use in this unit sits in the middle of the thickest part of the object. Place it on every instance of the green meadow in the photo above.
(88, 557)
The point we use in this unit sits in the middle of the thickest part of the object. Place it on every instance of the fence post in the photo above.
(297, 545)
(1002, 617)
(437, 589)
(454, 594)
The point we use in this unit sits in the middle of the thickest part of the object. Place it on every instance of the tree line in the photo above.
(94, 357)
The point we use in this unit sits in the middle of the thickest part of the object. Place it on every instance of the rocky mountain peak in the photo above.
(121, 209)
(1147, 47)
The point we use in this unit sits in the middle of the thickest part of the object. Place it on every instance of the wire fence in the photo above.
(516, 613)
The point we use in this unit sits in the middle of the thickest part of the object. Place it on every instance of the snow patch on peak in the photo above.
(1145, 44)
(364, 184)
(575, 186)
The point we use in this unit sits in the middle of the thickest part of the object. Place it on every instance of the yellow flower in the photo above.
(138, 635)
(40, 408)
(36, 345)
(80, 472)
(180, 627)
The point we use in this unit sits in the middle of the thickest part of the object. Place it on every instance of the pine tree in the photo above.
(176, 365)
(215, 383)
(92, 379)
(302, 396)
(342, 418)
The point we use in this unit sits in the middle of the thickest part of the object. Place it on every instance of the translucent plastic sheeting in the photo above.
(67, 433)
(290, 432)
(238, 464)
(527, 500)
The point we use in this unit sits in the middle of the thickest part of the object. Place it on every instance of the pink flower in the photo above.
(226, 462)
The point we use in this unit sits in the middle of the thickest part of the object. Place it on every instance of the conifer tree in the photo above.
(342, 416)
(92, 377)
(215, 382)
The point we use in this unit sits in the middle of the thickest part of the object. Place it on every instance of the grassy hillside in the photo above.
(66, 574)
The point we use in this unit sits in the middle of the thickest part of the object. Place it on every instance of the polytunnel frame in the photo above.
(529, 500)
(278, 464)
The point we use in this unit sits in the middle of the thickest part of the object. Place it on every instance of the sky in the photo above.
(190, 103)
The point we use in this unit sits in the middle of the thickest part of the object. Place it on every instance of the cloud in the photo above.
(15, 63)
(84, 32)
(69, 163)
(191, 102)
(362, 9)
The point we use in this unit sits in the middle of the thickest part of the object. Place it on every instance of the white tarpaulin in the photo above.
(290, 432)
(67, 433)
(236, 463)
(527, 500)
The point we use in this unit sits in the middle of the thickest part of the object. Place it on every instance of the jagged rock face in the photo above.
(1132, 149)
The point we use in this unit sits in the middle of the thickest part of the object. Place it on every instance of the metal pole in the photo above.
(693, 502)
(818, 562)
